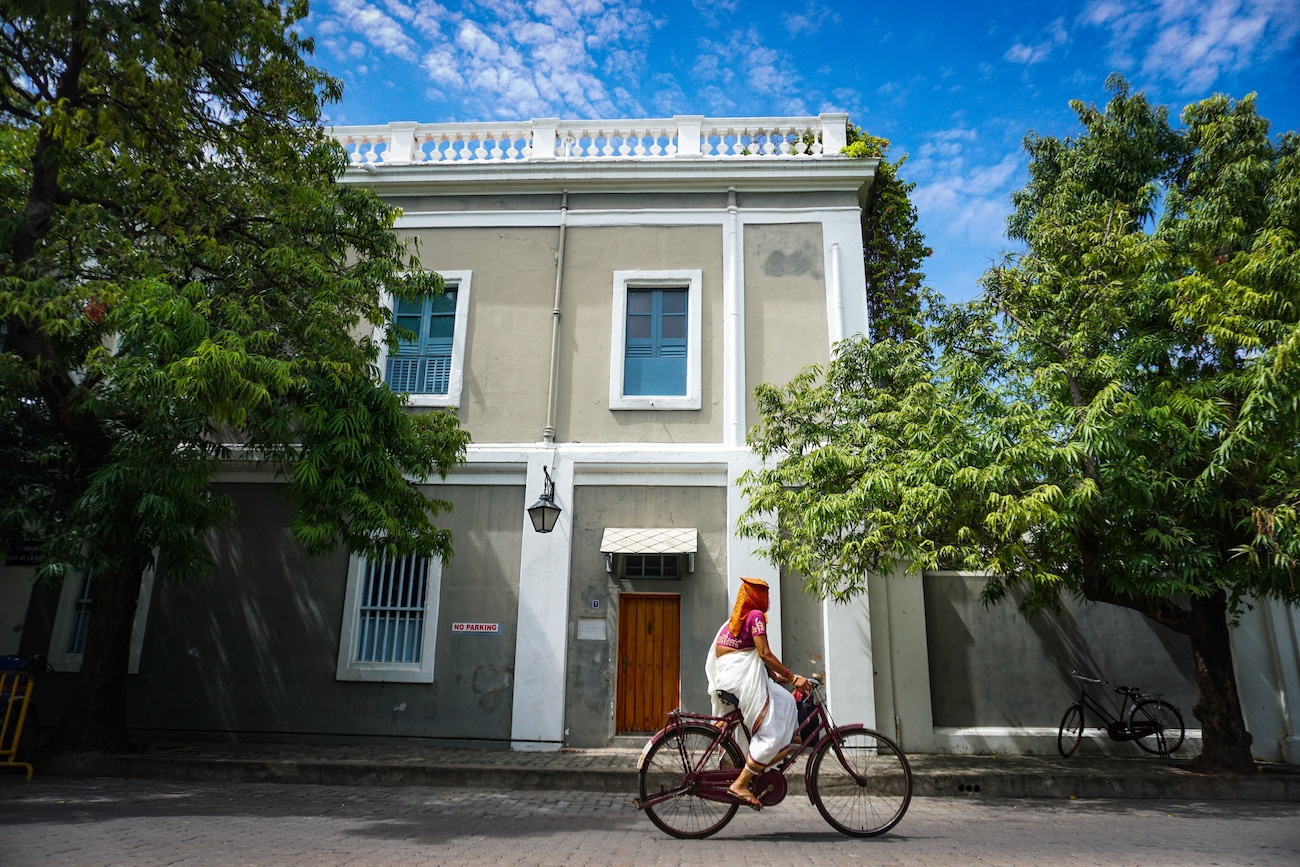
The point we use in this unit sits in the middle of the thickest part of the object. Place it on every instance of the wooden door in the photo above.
(649, 660)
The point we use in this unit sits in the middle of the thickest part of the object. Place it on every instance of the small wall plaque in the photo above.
(591, 629)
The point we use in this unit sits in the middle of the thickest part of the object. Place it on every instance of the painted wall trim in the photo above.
(622, 217)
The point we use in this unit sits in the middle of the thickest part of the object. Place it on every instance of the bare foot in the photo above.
(747, 796)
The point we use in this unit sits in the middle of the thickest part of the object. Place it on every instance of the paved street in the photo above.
(96, 823)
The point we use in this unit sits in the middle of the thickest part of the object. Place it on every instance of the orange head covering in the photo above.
(752, 594)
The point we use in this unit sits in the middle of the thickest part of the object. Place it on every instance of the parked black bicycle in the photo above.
(1148, 720)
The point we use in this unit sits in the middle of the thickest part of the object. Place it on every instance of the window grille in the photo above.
(391, 620)
(651, 565)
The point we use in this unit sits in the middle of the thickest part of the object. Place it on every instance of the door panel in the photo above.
(649, 660)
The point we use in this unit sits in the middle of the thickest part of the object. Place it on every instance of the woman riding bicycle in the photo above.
(740, 663)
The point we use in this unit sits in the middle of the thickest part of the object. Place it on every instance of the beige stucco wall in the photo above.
(508, 343)
(591, 257)
(785, 305)
(508, 340)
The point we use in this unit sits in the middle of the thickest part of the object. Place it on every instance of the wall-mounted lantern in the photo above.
(544, 513)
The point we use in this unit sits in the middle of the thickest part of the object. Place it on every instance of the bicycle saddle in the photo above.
(727, 698)
(1128, 690)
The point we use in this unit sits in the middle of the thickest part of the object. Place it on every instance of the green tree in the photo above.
(1116, 417)
(183, 283)
(893, 247)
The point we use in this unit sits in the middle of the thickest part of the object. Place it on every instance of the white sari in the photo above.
(743, 674)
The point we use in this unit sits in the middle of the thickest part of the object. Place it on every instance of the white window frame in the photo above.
(692, 279)
(387, 672)
(65, 616)
(455, 379)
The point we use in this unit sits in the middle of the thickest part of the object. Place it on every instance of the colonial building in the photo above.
(615, 292)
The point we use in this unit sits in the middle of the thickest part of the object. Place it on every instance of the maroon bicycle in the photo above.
(858, 779)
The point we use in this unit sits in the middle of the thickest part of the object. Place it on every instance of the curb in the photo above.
(976, 782)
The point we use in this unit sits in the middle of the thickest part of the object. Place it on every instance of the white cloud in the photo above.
(968, 198)
(506, 58)
(381, 30)
(1193, 42)
(745, 64)
(1040, 50)
(810, 20)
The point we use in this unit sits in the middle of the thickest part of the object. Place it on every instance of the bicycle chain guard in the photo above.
(769, 787)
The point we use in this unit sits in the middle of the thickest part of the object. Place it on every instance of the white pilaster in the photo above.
(537, 721)
(850, 680)
(850, 673)
(733, 330)
(1286, 625)
(846, 285)
(742, 554)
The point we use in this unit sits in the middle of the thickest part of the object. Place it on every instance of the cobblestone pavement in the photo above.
(139, 823)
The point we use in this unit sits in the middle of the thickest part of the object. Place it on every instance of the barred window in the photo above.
(391, 621)
(652, 565)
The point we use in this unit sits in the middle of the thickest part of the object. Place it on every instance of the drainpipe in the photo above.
(552, 392)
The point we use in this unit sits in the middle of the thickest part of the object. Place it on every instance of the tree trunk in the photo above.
(96, 720)
(1225, 742)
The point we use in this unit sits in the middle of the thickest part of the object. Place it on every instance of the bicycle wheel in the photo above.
(1169, 733)
(1067, 739)
(862, 788)
(686, 815)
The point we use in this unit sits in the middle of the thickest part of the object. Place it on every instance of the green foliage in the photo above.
(183, 283)
(1117, 416)
(893, 247)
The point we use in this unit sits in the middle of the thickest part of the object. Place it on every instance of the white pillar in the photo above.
(846, 284)
(544, 133)
(401, 143)
(733, 328)
(742, 554)
(847, 627)
(688, 134)
(541, 640)
(835, 134)
(1286, 625)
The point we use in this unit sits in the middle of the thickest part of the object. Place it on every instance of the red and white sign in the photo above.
(476, 627)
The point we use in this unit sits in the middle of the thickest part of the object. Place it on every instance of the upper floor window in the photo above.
(429, 366)
(655, 356)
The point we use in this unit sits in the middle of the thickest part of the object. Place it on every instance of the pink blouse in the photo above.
(755, 624)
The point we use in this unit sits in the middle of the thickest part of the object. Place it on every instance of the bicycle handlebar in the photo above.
(1078, 676)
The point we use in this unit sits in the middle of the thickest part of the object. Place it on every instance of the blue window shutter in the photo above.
(655, 342)
(423, 366)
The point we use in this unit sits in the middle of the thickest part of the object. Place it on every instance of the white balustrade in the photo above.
(681, 137)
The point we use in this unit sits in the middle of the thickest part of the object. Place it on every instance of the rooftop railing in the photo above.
(682, 136)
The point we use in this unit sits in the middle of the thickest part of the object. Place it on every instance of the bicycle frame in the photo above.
(770, 787)
(1116, 727)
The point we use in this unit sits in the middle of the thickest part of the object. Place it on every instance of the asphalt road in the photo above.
(96, 823)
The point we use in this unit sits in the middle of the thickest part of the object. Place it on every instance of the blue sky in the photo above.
(954, 85)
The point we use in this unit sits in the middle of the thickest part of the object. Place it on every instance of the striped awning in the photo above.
(649, 540)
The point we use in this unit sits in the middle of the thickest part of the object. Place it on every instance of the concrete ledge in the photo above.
(615, 771)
